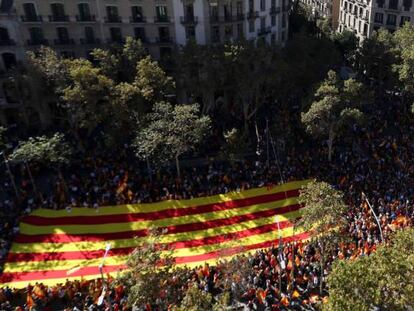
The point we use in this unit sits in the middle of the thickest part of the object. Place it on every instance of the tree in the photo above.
(196, 299)
(53, 150)
(152, 81)
(337, 106)
(347, 43)
(149, 278)
(236, 145)
(324, 217)
(2, 138)
(43, 149)
(170, 132)
(87, 95)
(375, 60)
(383, 280)
(119, 62)
(404, 48)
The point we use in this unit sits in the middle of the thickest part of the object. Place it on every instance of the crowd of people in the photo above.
(377, 159)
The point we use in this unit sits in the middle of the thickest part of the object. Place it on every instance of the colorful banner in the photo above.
(55, 246)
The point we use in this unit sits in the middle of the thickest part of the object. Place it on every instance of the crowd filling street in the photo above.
(376, 158)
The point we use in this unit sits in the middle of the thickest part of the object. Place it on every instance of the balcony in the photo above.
(116, 41)
(252, 14)
(165, 39)
(58, 18)
(37, 42)
(137, 19)
(86, 41)
(113, 19)
(226, 19)
(274, 10)
(239, 17)
(85, 18)
(31, 19)
(64, 41)
(162, 19)
(263, 31)
(8, 42)
(141, 38)
(189, 20)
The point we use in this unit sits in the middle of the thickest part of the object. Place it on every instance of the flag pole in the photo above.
(375, 215)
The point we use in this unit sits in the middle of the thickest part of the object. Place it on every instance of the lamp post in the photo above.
(105, 284)
(364, 197)
(280, 255)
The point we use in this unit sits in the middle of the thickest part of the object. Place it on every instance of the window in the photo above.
(30, 12)
(63, 35)
(116, 34)
(36, 35)
(4, 35)
(190, 32)
(251, 25)
(58, 12)
(407, 4)
(262, 22)
(9, 60)
(240, 33)
(359, 27)
(112, 14)
(393, 5)
(379, 18)
(227, 12)
(84, 12)
(391, 19)
(273, 39)
(164, 34)
(214, 12)
(273, 20)
(262, 5)
(189, 12)
(283, 20)
(215, 34)
(365, 29)
(404, 19)
(89, 35)
(239, 8)
(139, 33)
(283, 36)
(228, 32)
(161, 11)
(380, 3)
(136, 12)
(251, 5)
(273, 3)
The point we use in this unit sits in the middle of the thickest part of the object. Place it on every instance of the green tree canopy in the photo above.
(324, 217)
(170, 132)
(337, 105)
(42, 149)
(382, 280)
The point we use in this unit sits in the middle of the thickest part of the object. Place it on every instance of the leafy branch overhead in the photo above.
(42, 149)
(337, 105)
(171, 131)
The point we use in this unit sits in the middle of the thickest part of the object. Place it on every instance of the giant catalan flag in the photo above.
(54, 246)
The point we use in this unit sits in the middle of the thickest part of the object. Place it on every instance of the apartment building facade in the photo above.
(75, 27)
(328, 9)
(364, 16)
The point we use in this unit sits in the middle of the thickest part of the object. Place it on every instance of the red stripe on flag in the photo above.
(98, 237)
(74, 255)
(59, 274)
(167, 213)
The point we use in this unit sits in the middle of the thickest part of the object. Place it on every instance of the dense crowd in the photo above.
(377, 158)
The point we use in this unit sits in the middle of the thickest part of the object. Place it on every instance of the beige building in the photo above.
(328, 9)
(75, 27)
(364, 16)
